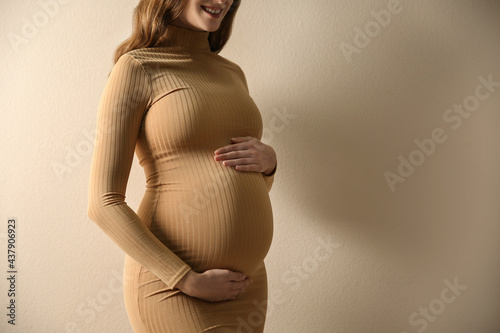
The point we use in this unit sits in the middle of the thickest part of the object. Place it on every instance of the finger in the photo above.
(229, 155)
(236, 276)
(236, 154)
(249, 142)
(235, 293)
(239, 161)
(240, 285)
(248, 168)
(232, 147)
(242, 139)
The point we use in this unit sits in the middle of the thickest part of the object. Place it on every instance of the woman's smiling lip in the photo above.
(213, 11)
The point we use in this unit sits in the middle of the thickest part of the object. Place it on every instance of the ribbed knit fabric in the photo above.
(174, 106)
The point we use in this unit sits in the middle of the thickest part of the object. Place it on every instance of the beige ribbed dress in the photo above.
(174, 106)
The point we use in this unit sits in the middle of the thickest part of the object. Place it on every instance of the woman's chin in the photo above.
(210, 27)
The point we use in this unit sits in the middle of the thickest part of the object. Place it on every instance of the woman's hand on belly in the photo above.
(214, 285)
(248, 154)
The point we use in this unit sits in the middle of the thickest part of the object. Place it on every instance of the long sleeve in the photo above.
(124, 101)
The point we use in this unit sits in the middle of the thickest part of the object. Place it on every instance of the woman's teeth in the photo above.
(212, 11)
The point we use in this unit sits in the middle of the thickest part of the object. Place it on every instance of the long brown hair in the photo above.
(152, 17)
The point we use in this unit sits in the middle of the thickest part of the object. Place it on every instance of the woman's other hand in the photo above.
(214, 285)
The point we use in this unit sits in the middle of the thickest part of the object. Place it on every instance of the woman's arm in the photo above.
(124, 101)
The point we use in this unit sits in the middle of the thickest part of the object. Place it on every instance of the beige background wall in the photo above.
(343, 98)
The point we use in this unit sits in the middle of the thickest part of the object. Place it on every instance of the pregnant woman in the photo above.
(194, 250)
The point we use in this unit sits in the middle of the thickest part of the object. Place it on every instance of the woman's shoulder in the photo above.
(230, 64)
(144, 54)
(226, 60)
(150, 59)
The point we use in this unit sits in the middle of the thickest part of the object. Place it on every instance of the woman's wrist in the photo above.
(185, 284)
(268, 173)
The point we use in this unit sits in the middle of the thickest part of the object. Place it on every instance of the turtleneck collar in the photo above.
(188, 38)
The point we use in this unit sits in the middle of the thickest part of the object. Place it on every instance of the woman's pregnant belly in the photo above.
(213, 216)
